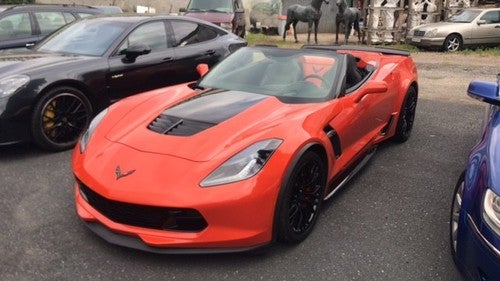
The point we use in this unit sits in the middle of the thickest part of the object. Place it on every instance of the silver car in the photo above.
(469, 27)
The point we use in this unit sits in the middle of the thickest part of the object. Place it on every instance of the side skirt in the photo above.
(349, 173)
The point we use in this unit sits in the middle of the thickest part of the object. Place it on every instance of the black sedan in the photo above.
(50, 94)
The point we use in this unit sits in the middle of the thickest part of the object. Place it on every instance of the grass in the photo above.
(261, 39)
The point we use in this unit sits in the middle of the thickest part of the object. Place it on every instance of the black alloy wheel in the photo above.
(59, 118)
(406, 116)
(301, 199)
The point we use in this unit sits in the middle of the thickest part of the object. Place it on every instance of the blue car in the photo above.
(475, 212)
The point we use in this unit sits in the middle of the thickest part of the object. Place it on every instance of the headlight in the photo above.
(431, 33)
(10, 84)
(243, 165)
(227, 26)
(491, 210)
(88, 134)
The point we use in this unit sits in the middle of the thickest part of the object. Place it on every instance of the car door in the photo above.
(195, 43)
(16, 30)
(487, 30)
(363, 117)
(146, 72)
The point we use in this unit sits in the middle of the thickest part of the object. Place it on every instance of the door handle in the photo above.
(210, 52)
(168, 59)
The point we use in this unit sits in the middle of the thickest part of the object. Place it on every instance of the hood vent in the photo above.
(201, 112)
(175, 126)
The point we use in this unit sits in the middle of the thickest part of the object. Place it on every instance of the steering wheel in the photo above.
(315, 76)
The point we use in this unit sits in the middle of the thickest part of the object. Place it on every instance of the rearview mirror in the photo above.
(485, 91)
(202, 69)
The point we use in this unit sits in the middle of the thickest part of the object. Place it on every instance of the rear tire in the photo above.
(300, 201)
(406, 116)
(59, 117)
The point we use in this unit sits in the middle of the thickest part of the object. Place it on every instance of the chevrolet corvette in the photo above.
(246, 155)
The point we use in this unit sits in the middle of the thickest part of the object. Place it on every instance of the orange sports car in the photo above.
(246, 155)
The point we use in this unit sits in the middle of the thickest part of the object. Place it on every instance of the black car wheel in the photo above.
(452, 43)
(406, 116)
(301, 199)
(59, 118)
(455, 214)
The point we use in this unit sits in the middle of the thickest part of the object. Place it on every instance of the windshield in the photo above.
(87, 37)
(222, 6)
(464, 16)
(291, 75)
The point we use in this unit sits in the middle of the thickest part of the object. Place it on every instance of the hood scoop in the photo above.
(202, 112)
(171, 125)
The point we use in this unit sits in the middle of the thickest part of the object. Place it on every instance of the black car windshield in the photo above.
(291, 75)
(223, 6)
(86, 37)
(464, 16)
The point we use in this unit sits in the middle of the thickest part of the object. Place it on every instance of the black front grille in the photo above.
(144, 216)
(170, 125)
(419, 33)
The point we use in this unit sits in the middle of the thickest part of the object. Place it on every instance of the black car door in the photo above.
(16, 30)
(147, 71)
(195, 43)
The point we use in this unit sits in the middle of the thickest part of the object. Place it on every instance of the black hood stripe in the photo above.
(203, 111)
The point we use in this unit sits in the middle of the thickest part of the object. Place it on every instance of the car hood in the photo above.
(212, 17)
(205, 125)
(27, 62)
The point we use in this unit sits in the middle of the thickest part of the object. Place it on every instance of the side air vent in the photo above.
(334, 139)
(171, 125)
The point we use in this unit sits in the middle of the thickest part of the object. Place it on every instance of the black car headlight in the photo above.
(90, 131)
(243, 165)
(11, 84)
(491, 210)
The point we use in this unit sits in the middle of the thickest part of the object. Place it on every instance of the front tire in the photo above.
(406, 116)
(452, 43)
(59, 117)
(455, 214)
(300, 201)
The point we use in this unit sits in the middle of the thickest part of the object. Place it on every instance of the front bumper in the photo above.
(14, 121)
(425, 41)
(239, 216)
(477, 257)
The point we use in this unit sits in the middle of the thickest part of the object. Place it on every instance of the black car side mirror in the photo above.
(135, 50)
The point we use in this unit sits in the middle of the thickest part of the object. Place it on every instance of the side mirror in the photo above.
(485, 91)
(375, 87)
(479, 22)
(202, 69)
(372, 87)
(135, 50)
(239, 10)
(182, 10)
